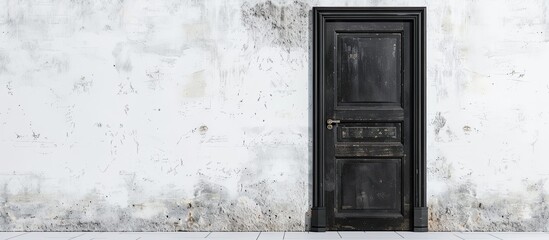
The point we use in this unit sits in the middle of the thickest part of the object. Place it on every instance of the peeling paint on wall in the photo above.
(284, 25)
(192, 115)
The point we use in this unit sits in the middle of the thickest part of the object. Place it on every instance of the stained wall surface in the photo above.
(195, 115)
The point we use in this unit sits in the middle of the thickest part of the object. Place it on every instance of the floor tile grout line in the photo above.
(399, 235)
(17, 235)
(494, 236)
(208, 235)
(258, 236)
(77, 236)
(454, 233)
(339, 234)
(284, 236)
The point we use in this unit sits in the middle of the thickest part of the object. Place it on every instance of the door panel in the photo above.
(368, 68)
(360, 178)
(369, 132)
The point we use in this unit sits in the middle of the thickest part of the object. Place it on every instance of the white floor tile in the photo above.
(6, 235)
(352, 234)
(474, 236)
(387, 235)
(271, 236)
(429, 235)
(222, 238)
(234, 235)
(49, 235)
(382, 235)
(167, 235)
(520, 235)
(106, 236)
(312, 235)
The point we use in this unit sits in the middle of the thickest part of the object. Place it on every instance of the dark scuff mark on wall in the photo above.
(83, 85)
(155, 78)
(281, 25)
(467, 129)
(439, 122)
(440, 169)
(9, 87)
(126, 87)
(202, 130)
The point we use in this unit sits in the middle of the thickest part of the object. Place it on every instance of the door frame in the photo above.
(415, 15)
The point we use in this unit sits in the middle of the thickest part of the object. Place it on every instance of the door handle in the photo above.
(330, 122)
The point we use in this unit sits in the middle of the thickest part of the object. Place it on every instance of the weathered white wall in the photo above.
(194, 115)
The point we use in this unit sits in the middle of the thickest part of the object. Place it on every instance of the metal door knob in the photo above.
(330, 122)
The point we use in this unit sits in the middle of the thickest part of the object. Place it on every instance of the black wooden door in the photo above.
(368, 72)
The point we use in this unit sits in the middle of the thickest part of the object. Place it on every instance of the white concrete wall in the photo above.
(194, 115)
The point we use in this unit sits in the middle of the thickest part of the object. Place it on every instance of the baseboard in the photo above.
(318, 219)
(421, 215)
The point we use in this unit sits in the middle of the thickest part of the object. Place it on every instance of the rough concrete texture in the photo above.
(194, 115)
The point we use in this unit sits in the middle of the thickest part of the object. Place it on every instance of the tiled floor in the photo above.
(274, 235)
